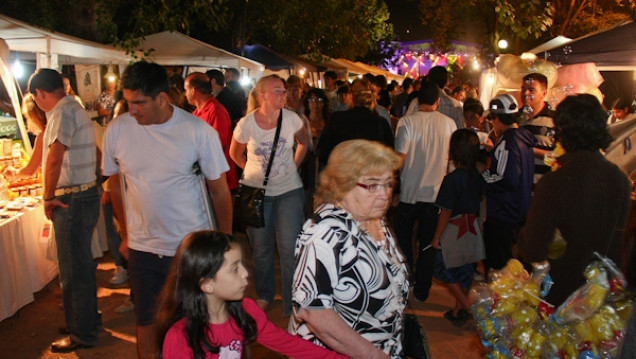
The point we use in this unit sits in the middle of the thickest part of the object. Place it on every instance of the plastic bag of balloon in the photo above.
(563, 80)
(515, 322)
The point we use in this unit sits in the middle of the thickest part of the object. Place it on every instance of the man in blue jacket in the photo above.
(508, 182)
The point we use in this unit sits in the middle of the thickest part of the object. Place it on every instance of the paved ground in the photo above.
(28, 334)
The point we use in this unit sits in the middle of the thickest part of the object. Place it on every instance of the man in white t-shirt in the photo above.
(422, 139)
(155, 146)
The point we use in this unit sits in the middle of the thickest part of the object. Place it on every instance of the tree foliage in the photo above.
(573, 18)
(123, 22)
(490, 19)
(336, 28)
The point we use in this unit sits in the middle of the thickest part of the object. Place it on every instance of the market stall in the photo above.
(27, 260)
(281, 65)
(176, 49)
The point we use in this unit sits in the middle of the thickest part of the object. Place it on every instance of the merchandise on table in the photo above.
(514, 322)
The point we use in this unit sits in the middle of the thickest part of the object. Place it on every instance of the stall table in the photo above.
(25, 264)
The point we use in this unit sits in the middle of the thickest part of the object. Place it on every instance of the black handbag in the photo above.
(414, 341)
(249, 204)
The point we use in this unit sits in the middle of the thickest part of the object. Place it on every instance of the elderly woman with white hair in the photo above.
(350, 284)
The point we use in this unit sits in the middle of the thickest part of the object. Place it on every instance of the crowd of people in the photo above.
(372, 190)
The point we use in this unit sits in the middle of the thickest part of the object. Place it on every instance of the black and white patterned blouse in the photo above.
(342, 267)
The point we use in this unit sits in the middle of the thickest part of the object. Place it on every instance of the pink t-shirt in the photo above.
(230, 339)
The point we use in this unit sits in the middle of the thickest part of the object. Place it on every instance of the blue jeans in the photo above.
(283, 222)
(73, 229)
(112, 237)
(426, 215)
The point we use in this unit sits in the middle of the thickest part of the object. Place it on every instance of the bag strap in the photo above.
(274, 145)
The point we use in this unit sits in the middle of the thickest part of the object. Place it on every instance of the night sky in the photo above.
(405, 18)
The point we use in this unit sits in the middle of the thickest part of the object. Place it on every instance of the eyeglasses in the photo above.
(314, 99)
(375, 187)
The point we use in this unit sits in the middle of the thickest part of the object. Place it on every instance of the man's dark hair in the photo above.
(47, 80)
(438, 75)
(331, 75)
(407, 83)
(457, 89)
(293, 80)
(428, 94)
(217, 76)
(200, 82)
(537, 77)
(149, 78)
(473, 105)
(343, 89)
(234, 72)
(581, 124)
(621, 104)
(379, 81)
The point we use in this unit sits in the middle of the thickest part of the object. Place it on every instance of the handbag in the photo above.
(462, 242)
(249, 204)
(414, 342)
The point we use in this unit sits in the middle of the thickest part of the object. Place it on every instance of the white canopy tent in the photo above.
(53, 49)
(177, 49)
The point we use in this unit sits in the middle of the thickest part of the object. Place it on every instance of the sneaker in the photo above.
(120, 277)
(125, 307)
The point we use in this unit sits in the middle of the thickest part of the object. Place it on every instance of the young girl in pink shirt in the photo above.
(203, 314)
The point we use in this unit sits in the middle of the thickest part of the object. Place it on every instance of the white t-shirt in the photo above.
(164, 200)
(424, 137)
(69, 124)
(283, 177)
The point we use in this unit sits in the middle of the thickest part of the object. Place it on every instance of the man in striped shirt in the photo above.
(536, 117)
(71, 202)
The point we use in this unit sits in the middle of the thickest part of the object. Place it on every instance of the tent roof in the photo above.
(267, 57)
(550, 44)
(362, 68)
(23, 37)
(609, 49)
(177, 49)
(276, 61)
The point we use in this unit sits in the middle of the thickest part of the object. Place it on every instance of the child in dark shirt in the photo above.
(458, 200)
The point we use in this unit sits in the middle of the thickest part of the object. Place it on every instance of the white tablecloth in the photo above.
(24, 265)
(28, 260)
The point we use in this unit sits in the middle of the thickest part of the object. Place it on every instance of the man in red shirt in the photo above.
(198, 92)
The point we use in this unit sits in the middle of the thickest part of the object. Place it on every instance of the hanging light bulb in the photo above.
(17, 69)
(110, 75)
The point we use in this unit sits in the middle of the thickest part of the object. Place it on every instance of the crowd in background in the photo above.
(447, 163)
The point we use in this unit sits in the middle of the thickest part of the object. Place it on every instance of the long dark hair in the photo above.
(200, 255)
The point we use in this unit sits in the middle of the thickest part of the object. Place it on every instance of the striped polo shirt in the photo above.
(69, 124)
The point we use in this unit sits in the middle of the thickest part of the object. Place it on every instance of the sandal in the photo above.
(458, 320)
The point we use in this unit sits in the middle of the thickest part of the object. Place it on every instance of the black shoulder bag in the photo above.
(250, 201)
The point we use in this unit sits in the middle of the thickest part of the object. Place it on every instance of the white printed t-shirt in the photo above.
(283, 176)
(424, 137)
(164, 200)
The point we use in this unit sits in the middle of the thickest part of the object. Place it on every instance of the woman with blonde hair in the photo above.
(350, 283)
(36, 123)
(251, 148)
